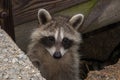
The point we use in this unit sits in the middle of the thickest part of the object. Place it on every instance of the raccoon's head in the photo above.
(58, 35)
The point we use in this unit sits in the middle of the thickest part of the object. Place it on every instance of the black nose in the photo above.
(57, 55)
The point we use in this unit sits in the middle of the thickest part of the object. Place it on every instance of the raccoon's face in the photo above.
(58, 35)
(57, 43)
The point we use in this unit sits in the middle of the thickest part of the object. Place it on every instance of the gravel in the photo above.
(14, 64)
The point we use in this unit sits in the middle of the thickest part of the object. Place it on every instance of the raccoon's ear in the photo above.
(77, 20)
(43, 16)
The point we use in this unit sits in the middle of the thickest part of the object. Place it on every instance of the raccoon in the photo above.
(54, 46)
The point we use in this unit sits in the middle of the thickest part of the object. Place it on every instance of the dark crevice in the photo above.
(103, 29)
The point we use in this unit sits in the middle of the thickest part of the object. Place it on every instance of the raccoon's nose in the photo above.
(57, 55)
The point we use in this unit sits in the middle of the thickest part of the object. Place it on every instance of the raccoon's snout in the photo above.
(57, 55)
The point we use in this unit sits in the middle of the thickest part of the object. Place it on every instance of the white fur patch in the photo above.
(56, 34)
(59, 34)
(51, 50)
(63, 51)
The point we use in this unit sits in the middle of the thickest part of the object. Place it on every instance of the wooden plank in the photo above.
(7, 18)
(26, 10)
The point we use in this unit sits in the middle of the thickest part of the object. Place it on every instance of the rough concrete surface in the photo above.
(14, 64)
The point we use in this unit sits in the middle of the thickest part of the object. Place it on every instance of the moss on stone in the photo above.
(83, 8)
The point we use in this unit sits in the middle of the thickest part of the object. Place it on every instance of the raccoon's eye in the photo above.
(67, 43)
(48, 41)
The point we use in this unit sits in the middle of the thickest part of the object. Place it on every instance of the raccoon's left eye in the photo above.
(48, 41)
(67, 43)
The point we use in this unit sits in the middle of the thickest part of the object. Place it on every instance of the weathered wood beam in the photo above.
(26, 10)
(7, 17)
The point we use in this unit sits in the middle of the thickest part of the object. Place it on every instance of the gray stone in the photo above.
(14, 64)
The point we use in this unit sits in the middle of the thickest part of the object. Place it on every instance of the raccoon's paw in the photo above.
(36, 64)
(115, 56)
(83, 71)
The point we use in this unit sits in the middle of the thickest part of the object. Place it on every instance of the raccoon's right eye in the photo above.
(48, 41)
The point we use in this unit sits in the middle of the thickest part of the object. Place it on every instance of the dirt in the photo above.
(111, 72)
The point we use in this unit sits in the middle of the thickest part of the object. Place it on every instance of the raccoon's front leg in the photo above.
(86, 66)
(36, 63)
(83, 70)
(34, 60)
